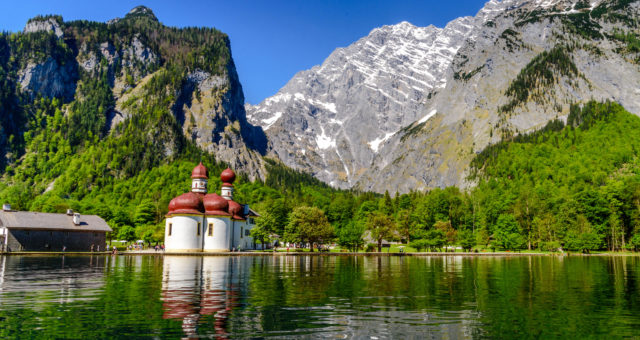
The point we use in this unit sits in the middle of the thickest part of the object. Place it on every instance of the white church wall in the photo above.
(241, 238)
(184, 234)
(220, 240)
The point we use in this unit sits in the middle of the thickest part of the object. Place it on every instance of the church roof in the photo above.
(227, 177)
(210, 204)
(200, 171)
(48, 221)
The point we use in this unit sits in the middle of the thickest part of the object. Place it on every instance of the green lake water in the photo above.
(542, 297)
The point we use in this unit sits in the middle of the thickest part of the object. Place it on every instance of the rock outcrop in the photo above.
(210, 109)
(46, 24)
(49, 79)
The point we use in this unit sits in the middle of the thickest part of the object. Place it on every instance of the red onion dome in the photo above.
(228, 177)
(172, 205)
(199, 172)
(188, 203)
(214, 204)
(235, 209)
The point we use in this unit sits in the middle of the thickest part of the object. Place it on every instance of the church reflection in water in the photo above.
(194, 287)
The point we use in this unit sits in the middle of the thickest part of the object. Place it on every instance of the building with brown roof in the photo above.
(36, 231)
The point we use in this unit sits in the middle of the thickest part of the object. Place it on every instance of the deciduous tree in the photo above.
(381, 227)
(308, 224)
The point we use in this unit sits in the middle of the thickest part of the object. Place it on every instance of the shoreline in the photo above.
(382, 254)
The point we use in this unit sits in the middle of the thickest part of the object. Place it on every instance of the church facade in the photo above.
(198, 221)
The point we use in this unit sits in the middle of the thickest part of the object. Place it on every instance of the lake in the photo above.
(448, 297)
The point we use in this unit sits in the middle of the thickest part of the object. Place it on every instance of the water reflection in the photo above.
(195, 287)
(36, 281)
(311, 297)
(373, 297)
(319, 296)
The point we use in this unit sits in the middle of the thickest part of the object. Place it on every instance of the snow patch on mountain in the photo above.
(429, 115)
(270, 121)
(325, 142)
(375, 144)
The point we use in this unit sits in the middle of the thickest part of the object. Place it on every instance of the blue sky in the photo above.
(270, 40)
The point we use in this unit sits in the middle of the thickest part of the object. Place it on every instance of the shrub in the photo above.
(419, 245)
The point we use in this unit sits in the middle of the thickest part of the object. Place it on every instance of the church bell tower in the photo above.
(199, 179)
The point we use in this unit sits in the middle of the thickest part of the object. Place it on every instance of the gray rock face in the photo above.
(49, 79)
(407, 108)
(138, 52)
(89, 61)
(44, 25)
(211, 111)
(332, 119)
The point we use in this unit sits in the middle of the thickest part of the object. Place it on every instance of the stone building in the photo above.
(35, 231)
(198, 221)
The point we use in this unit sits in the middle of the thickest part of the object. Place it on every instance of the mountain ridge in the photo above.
(378, 89)
(430, 144)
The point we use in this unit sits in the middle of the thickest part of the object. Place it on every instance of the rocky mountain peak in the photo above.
(551, 53)
(383, 79)
(495, 7)
(141, 11)
(45, 24)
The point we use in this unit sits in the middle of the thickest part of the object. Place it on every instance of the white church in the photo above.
(202, 222)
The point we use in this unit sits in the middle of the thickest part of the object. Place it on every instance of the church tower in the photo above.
(199, 179)
(227, 177)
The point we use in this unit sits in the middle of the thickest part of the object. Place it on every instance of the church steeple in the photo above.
(199, 179)
(227, 177)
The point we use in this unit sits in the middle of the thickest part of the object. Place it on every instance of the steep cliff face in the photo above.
(50, 25)
(49, 79)
(177, 86)
(332, 119)
(510, 69)
(210, 109)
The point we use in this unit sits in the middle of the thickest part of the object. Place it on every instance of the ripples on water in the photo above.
(312, 297)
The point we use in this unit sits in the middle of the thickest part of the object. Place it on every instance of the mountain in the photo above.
(408, 108)
(315, 122)
(108, 115)
(177, 86)
(111, 118)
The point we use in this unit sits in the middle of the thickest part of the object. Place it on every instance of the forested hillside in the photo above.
(573, 186)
